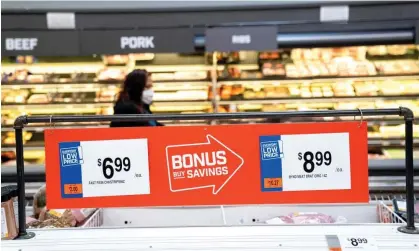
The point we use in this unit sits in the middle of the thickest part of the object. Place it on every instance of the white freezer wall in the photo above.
(229, 215)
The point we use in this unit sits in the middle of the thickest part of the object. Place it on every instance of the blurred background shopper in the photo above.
(135, 98)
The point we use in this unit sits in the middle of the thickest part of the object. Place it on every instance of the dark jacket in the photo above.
(128, 107)
(148, 111)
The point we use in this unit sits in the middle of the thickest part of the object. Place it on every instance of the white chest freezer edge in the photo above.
(263, 237)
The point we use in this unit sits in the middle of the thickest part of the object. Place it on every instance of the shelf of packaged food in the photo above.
(33, 85)
(390, 142)
(283, 80)
(28, 148)
(26, 105)
(94, 67)
(272, 101)
(389, 122)
(97, 104)
(315, 79)
(9, 128)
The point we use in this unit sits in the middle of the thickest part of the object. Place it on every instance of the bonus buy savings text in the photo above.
(201, 165)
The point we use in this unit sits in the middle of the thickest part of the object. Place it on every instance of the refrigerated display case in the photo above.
(282, 80)
(338, 222)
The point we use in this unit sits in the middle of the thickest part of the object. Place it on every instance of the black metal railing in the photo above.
(406, 113)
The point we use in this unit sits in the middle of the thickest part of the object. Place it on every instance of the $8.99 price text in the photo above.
(355, 242)
(358, 243)
(317, 159)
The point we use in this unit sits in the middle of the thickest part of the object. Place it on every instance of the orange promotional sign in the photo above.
(207, 165)
(186, 162)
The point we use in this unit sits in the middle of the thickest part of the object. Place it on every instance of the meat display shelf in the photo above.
(220, 82)
(222, 102)
(285, 80)
(71, 67)
(23, 85)
(100, 104)
(334, 99)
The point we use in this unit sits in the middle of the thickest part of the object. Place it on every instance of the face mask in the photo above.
(148, 96)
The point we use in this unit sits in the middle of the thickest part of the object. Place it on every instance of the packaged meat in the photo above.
(305, 92)
(14, 96)
(181, 95)
(294, 91)
(378, 50)
(310, 218)
(108, 95)
(397, 67)
(115, 59)
(306, 218)
(14, 197)
(39, 201)
(316, 91)
(57, 218)
(30, 220)
(190, 75)
(366, 88)
(8, 224)
(327, 91)
(162, 76)
(397, 50)
(38, 98)
(108, 74)
(249, 95)
(36, 78)
(280, 220)
(141, 56)
(21, 74)
(82, 214)
(62, 217)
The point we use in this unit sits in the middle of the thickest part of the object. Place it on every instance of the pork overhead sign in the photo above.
(129, 41)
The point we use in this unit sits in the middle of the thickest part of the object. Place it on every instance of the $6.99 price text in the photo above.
(109, 166)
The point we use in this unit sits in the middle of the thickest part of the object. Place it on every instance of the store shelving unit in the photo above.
(242, 85)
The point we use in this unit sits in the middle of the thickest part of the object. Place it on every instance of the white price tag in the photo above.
(349, 243)
(334, 13)
(316, 162)
(104, 168)
(61, 20)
